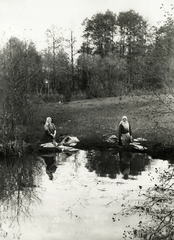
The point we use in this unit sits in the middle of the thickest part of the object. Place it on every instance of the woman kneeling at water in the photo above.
(50, 130)
(124, 132)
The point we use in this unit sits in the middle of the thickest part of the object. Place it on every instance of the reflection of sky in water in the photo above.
(85, 189)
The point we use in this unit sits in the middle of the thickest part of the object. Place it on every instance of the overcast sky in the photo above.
(29, 19)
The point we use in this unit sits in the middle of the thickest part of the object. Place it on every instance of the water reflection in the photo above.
(19, 180)
(125, 161)
(103, 163)
(110, 164)
(51, 164)
(24, 182)
(53, 160)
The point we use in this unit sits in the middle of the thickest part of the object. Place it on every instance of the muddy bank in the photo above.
(154, 149)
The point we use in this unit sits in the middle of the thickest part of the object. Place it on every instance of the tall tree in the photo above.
(55, 44)
(132, 43)
(99, 33)
(20, 68)
(72, 52)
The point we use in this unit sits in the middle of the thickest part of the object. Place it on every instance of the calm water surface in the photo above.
(71, 196)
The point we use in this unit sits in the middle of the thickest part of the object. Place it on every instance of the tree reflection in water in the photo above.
(110, 164)
(19, 179)
(103, 163)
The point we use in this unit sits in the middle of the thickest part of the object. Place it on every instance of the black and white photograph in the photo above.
(86, 120)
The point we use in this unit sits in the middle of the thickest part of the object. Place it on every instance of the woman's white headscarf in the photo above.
(124, 117)
(47, 123)
(125, 124)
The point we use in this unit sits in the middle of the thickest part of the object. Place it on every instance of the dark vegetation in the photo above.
(154, 206)
(120, 55)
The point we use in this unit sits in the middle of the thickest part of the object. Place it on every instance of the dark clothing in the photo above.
(122, 130)
(51, 128)
(48, 137)
(124, 134)
(48, 131)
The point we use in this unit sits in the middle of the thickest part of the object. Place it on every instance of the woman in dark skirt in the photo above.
(50, 131)
(124, 132)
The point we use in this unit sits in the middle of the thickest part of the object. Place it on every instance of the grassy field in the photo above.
(90, 119)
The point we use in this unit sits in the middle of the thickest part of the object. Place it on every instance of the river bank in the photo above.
(91, 119)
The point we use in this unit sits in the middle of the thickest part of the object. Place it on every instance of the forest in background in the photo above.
(120, 54)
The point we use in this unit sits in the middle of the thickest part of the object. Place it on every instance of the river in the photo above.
(72, 196)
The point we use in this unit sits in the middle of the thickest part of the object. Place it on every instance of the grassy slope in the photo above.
(90, 119)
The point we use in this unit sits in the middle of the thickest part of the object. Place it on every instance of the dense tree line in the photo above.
(119, 54)
(128, 51)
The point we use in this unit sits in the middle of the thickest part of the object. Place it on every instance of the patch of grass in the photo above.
(90, 119)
